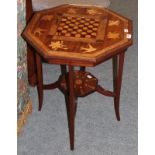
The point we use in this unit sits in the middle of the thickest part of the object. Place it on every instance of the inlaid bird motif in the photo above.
(72, 11)
(113, 35)
(93, 12)
(47, 17)
(58, 45)
(114, 22)
(39, 31)
(88, 49)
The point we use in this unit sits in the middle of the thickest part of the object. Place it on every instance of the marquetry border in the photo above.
(23, 116)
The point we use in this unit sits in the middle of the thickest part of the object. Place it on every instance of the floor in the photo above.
(97, 131)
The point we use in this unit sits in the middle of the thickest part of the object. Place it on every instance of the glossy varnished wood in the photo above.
(40, 81)
(84, 83)
(71, 35)
(71, 106)
(31, 66)
(118, 82)
(77, 43)
(31, 62)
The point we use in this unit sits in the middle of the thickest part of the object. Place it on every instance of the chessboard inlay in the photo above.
(85, 29)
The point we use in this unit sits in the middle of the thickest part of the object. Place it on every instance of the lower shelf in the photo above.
(84, 83)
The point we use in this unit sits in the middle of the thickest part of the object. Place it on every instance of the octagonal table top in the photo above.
(78, 35)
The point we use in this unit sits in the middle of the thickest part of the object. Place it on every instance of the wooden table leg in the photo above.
(31, 66)
(66, 95)
(117, 80)
(76, 104)
(115, 66)
(82, 68)
(71, 106)
(40, 80)
(63, 69)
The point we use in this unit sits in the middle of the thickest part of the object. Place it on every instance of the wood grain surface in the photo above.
(78, 35)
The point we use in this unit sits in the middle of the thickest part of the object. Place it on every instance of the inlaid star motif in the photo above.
(91, 11)
(113, 35)
(88, 49)
(72, 11)
(39, 31)
(57, 45)
(47, 17)
(114, 22)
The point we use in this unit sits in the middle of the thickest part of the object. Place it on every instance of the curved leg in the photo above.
(40, 80)
(117, 80)
(71, 107)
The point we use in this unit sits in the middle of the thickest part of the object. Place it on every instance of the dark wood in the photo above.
(51, 86)
(40, 80)
(63, 35)
(82, 68)
(117, 85)
(85, 83)
(31, 66)
(63, 69)
(29, 10)
(83, 36)
(71, 106)
(115, 67)
(76, 104)
(31, 63)
(105, 92)
(66, 94)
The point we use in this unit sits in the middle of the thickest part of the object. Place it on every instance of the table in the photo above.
(84, 36)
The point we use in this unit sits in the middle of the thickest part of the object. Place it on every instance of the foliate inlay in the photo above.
(83, 84)
(86, 34)
(47, 17)
(113, 35)
(39, 31)
(57, 45)
(93, 11)
(72, 11)
(114, 23)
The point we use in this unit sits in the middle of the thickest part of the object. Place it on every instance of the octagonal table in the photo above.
(85, 36)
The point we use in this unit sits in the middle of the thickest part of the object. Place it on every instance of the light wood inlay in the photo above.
(84, 34)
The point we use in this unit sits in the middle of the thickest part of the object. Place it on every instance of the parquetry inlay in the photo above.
(83, 35)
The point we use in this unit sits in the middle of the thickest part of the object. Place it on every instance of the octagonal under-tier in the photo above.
(78, 35)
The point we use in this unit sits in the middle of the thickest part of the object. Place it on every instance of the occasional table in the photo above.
(84, 36)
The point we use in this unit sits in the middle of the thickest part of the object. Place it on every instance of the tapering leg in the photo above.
(76, 103)
(117, 80)
(71, 107)
(115, 67)
(63, 72)
(82, 68)
(31, 66)
(63, 69)
(40, 80)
